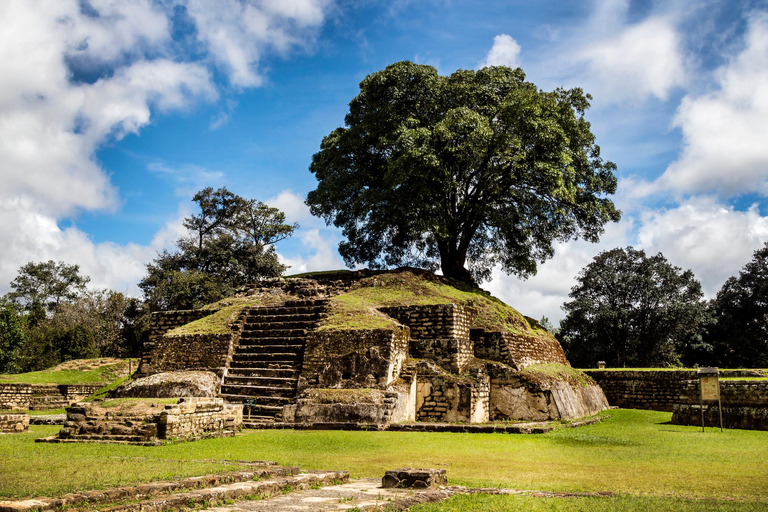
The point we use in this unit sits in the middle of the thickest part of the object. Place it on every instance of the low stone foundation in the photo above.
(12, 422)
(37, 397)
(144, 422)
(748, 418)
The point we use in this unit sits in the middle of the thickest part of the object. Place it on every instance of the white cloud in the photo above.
(504, 52)
(724, 131)
(53, 121)
(711, 239)
(293, 206)
(639, 61)
(238, 33)
(320, 253)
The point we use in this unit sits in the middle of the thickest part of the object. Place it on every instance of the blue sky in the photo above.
(113, 113)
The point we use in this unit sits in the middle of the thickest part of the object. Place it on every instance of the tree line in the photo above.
(51, 316)
(633, 310)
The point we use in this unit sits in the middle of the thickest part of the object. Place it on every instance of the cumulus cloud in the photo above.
(504, 52)
(641, 60)
(76, 74)
(237, 33)
(710, 238)
(724, 131)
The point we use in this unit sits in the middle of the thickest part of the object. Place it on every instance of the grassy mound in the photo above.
(77, 371)
(358, 308)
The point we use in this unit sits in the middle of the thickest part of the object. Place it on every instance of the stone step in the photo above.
(258, 380)
(264, 403)
(107, 437)
(261, 348)
(273, 333)
(251, 365)
(249, 340)
(278, 326)
(287, 310)
(295, 317)
(266, 357)
(284, 373)
(267, 392)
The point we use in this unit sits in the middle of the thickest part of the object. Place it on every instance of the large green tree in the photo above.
(740, 330)
(629, 309)
(462, 172)
(229, 242)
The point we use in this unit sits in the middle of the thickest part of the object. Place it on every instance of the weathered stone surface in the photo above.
(172, 385)
(14, 422)
(414, 478)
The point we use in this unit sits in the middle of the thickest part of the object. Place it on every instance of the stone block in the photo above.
(412, 478)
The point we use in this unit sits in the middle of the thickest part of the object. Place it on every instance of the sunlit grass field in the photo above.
(632, 453)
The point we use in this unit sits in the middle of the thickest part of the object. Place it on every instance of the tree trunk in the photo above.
(452, 263)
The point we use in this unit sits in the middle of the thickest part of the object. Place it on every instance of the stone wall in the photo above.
(146, 422)
(161, 323)
(43, 396)
(370, 358)
(344, 406)
(10, 422)
(662, 390)
(193, 418)
(200, 352)
(446, 397)
(744, 417)
(454, 355)
(440, 321)
(517, 350)
(515, 397)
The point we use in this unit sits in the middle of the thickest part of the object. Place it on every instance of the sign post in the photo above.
(709, 384)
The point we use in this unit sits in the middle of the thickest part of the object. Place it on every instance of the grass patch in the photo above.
(219, 322)
(358, 308)
(81, 371)
(124, 403)
(632, 452)
(500, 503)
(550, 372)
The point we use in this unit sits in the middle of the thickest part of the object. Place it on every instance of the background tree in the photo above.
(229, 242)
(40, 287)
(464, 171)
(740, 330)
(632, 310)
(13, 336)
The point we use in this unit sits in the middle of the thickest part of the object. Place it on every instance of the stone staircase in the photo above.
(265, 367)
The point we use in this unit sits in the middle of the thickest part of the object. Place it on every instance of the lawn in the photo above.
(80, 371)
(632, 453)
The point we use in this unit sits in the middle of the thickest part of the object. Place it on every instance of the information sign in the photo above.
(710, 388)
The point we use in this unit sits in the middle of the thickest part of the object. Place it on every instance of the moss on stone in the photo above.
(358, 308)
(550, 372)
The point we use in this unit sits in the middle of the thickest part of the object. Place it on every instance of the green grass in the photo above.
(216, 323)
(632, 453)
(358, 308)
(555, 371)
(82, 375)
(499, 503)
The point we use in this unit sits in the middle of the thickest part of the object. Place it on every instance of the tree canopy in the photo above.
(462, 172)
(629, 309)
(41, 287)
(229, 242)
(740, 330)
